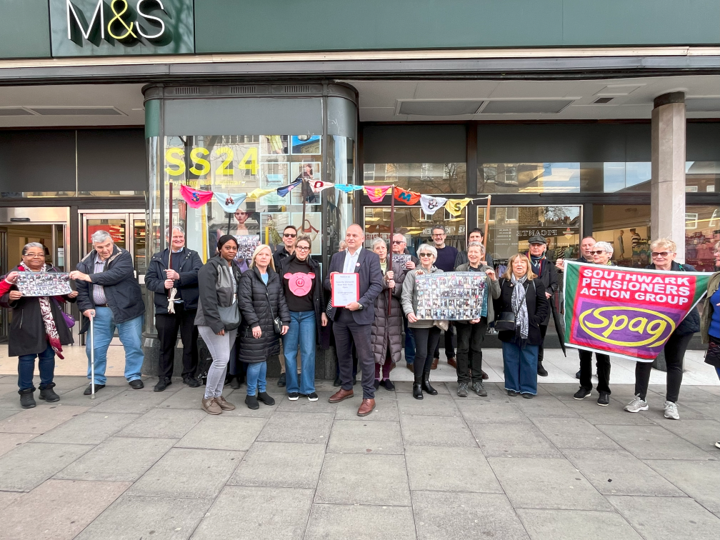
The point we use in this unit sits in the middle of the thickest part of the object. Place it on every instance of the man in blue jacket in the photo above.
(181, 275)
(109, 293)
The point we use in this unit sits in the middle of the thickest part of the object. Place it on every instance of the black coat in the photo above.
(318, 296)
(27, 329)
(537, 306)
(188, 282)
(691, 323)
(548, 277)
(256, 300)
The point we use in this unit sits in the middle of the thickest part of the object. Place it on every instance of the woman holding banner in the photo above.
(663, 251)
(710, 323)
(522, 307)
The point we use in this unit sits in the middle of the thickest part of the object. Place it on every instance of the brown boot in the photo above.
(224, 404)
(434, 363)
(340, 395)
(452, 362)
(210, 406)
(484, 375)
(366, 407)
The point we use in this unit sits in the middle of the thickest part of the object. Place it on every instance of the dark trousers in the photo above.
(409, 343)
(347, 332)
(603, 371)
(167, 328)
(543, 331)
(426, 339)
(467, 357)
(449, 347)
(674, 354)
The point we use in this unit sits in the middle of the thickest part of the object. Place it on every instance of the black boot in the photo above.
(27, 401)
(48, 394)
(541, 371)
(426, 385)
(417, 391)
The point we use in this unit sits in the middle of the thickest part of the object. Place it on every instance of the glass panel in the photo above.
(60, 253)
(702, 176)
(415, 225)
(627, 228)
(54, 194)
(510, 228)
(425, 178)
(139, 246)
(702, 232)
(116, 227)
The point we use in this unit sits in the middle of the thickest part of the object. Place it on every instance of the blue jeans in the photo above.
(302, 331)
(130, 336)
(26, 368)
(256, 375)
(520, 368)
(409, 343)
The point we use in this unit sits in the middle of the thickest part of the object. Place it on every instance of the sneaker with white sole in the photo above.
(293, 396)
(717, 444)
(637, 405)
(312, 396)
(671, 411)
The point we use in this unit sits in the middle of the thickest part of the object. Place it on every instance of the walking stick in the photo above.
(92, 358)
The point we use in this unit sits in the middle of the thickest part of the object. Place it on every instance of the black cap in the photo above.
(537, 239)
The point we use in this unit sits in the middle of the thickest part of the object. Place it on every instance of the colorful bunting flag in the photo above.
(257, 193)
(348, 188)
(195, 197)
(283, 191)
(455, 206)
(318, 185)
(377, 194)
(229, 202)
(408, 197)
(430, 204)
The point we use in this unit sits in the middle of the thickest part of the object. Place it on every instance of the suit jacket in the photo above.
(371, 283)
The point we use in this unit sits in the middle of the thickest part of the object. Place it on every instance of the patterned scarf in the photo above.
(46, 311)
(519, 306)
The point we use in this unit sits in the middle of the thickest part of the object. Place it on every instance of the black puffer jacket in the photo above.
(253, 296)
(387, 329)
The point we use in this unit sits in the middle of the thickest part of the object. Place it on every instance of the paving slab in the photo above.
(573, 524)
(574, 433)
(10, 441)
(88, 428)
(132, 518)
(439, 516)
(709, 411)
(494, 392)
(545, 406)
(701, 433)
(163, 424)
(186, 398)
(621, 473)
(660, 518)
(302, 404)
(187, 474)
(386, 409)
(687, 393)
(653, 442)
(350, 437)
(9, 497)
(360, 522)
(313, 428)
(223, 433)
(496, 411)
(546, 483)
(77, 397)
(290, 465)
(44, 513)
(405, 387)
(7, 413)
(448, 431)
(133, 401)
(513, 440)
(41, 419)
(30, 464)
(117, 459)
(432, 468)
(611, 415)
(363, 479)
(699, 479)
(440, 405)
(256, 512)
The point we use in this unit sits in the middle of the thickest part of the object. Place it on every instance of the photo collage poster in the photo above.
(43, 283)
(451, 296)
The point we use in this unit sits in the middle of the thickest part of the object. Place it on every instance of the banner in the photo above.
(430, 204)
(194, 197)
(229, 202)
(282, 191)
(257, 193)
(408, 197)
(455, 206)
(318, 185)
(377, 194)
(627, 312)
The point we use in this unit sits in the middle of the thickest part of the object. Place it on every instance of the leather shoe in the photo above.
(88, 390)
(484, 375)
(410, 367)
(162, 384)
(340, 395)
(434, 363)
(452, 362)
(135, 384)
(366, 407)
(192, 382)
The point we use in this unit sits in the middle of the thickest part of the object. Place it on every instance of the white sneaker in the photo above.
(671, 411)
(717, 444)
(637, 405)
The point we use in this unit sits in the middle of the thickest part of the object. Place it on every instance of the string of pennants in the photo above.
(231, 202)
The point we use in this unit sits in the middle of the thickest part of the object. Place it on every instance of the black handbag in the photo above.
(230, 316)
(277, 323)
(712, 356)
(506, 321)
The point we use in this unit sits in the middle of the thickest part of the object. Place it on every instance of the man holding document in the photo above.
(355, 280)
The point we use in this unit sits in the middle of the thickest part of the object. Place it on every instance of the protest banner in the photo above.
(451, 296)
(627, 312)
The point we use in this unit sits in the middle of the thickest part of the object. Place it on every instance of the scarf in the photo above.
(519, 306)
(536, 264)
(51, 332)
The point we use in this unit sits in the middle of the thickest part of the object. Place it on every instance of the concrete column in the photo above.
(668, 170)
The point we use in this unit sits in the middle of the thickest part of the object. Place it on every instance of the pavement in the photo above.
(135, 464)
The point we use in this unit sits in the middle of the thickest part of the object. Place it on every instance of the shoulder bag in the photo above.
(277, 323)
(506, 321)
(229, 315)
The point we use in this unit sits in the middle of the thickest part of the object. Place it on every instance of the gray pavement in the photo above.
(134, 464)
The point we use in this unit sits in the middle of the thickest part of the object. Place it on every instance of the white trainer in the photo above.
(671, 411)
(637, 405)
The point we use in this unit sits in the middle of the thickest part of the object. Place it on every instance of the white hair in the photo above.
(378, 241)
(605, 246)
(429, 249)
(476, 244)
(100, 236)
(29, 245)
(175, 228)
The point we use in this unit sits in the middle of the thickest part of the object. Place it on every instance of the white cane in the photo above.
(92, 358)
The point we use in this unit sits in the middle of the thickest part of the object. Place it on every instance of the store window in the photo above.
(702, 176)
(702, 232)
(425, 178)
(627, 228)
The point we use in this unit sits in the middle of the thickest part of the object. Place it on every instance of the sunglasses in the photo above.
(398, 241)
(289, 235)
(599, 252)
(663, 254)
(424, 254)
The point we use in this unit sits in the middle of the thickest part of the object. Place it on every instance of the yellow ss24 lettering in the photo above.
(606, 323)
(197, 160)
(226, 168)
(250, 161)
(174, 156)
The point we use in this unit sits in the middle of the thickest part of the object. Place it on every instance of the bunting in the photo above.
(408, 197)
(194, 197)
(430, 204)
(455, 206)
(318, 185)
(258, 193)
(283, 191)
(229, 202)
(348, 188)
(377, 194)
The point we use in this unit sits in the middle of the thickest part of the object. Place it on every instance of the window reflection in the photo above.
(426, 178)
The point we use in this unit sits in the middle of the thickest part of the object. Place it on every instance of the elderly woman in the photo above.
(427, 335)
(38, 328)
(522, 295)
(601, 253)
(261, 302)
(471, 333)
(710, 323)
(663, 251)
(386, 337)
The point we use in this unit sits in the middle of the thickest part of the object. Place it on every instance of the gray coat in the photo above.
(387, 329)
(215, 290)
(409, 296)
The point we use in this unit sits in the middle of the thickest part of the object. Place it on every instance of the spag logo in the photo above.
(627, 326)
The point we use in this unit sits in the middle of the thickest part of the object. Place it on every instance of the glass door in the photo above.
(127, 230)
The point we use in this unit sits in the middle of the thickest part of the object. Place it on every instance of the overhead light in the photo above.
(525, 106)
(439, 107)
(76, 111)
(603, 100)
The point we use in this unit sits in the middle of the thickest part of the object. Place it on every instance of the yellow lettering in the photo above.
(656, 330)
(197, 160)
(226, 168)
(614, 326)
(170, 154)
(250, 161)
(603, 321)
(639, 327)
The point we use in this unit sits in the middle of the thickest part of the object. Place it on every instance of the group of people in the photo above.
(280, 304)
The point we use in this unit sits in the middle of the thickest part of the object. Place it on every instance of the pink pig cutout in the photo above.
(300, 283)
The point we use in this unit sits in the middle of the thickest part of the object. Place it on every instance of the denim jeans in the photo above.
(409, 343)
(26, 368)
(130, 336)
(520, 368)
(302, 331)
(256, 375)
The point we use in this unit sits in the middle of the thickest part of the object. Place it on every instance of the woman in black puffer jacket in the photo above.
(261, 299)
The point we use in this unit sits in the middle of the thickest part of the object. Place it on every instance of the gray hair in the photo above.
(438, 227)
(605, 246)
(663, 243)
(175, 228)
(378, 241)
(429, 249)
(100, 236)
(476, 244)
(26, 247)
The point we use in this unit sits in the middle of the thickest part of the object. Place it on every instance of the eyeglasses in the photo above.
(286, 235)
(439, 234)
(35, 255)
(302, 248)
(663, 254)
(598, 252)
(425, 255)
(398, 241)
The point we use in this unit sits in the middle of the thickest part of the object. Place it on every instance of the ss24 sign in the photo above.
(200, 159)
